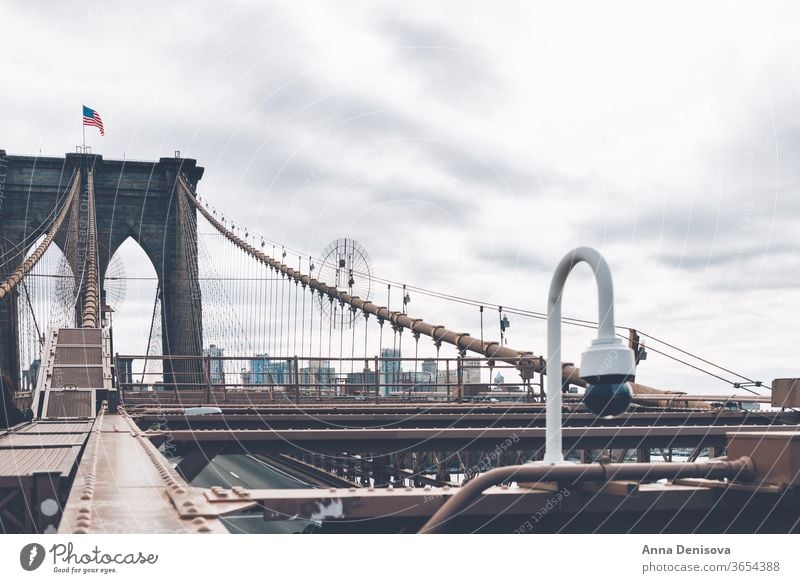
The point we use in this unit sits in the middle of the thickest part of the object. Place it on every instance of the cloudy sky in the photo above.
(467, 146)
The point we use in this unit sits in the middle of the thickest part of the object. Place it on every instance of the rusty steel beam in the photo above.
(458, 439)
(197, 459)
(124, 484)
(362, 504)
(326, 417)
(310, 474)
(20, 273)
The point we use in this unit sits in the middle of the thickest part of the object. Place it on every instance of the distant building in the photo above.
(124, 371)
(429, 367)
(318, 374)
(246, 377)
(391, 370)
(470, 373)
(264, 371)
(30, 375)
(499, 379)
(216, 369)
(362, 382)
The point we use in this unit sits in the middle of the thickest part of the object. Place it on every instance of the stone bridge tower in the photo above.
(133, 199)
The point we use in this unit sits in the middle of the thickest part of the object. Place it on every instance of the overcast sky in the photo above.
(467, 146)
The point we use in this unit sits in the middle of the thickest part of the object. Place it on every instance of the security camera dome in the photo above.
(608, 399)
(608, 360)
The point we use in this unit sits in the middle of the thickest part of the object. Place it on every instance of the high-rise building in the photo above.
(124, 370)
(264, 371)
(318, 374)
(391, 370)
(470, 371)
(429, 369)
(361, 382)
(216, 369)
(30, 375)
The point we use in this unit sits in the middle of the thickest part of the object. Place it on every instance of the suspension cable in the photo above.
(21, 271)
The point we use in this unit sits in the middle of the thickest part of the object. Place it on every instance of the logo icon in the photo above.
(31, 556)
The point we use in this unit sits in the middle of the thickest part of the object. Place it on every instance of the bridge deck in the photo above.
(124, 485)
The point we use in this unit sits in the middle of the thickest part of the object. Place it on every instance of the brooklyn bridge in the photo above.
(277, 393)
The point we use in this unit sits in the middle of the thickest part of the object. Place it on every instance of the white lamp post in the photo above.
(607, 365)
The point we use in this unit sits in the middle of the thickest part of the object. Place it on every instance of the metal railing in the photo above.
(299, 378)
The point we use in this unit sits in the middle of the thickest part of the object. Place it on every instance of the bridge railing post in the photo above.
(296, 379)
(460, 378)
(377, 379)
(207, 375)
(448, 388)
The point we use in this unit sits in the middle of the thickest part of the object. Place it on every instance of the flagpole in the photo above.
(83, 127)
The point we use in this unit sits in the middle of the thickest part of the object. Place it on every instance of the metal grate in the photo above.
(80, 336)
(79, 355)
(57, 427)
(90, 377)
(17, 463)
(69, 404)
(18, 440)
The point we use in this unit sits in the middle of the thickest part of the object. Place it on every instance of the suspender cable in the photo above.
(526, 362)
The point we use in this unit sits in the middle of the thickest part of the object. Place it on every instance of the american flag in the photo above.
(92, 118)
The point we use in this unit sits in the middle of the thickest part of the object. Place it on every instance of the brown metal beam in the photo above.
(196, 460)
(456, 439)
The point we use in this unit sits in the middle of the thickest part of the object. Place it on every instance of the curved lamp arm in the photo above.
(605, 300)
